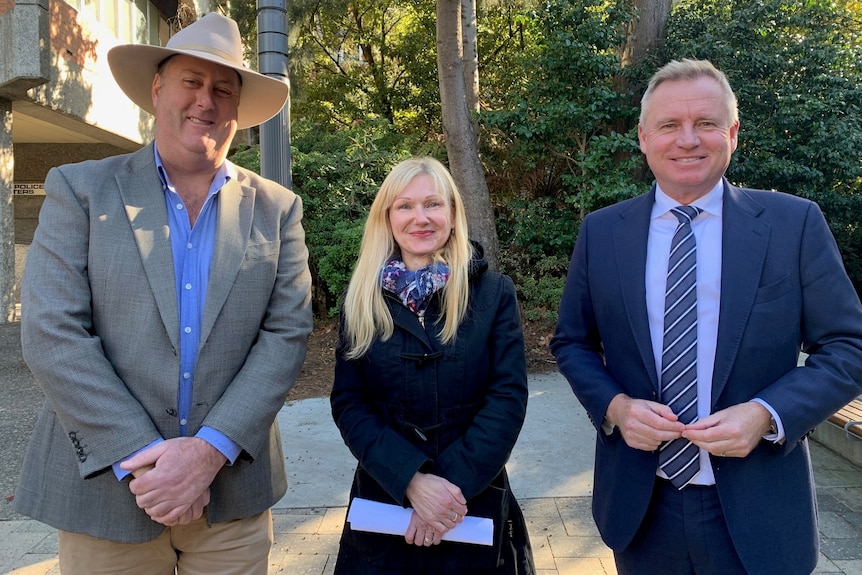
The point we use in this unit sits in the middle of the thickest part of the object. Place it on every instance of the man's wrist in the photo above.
(773, 426)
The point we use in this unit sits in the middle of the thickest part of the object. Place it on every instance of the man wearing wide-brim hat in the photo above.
(165, 314)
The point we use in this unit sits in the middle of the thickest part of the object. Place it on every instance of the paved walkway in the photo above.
(551, 474)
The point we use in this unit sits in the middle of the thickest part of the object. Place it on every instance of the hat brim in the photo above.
(135, 65)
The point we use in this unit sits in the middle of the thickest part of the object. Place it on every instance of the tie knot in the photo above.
(685, 214)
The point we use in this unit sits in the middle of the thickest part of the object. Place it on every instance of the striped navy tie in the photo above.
(679, 458)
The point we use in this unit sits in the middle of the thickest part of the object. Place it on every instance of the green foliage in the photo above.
(337, 174)
(351, 59)
(794, 66)
(541, 289)
(248, 157)
(560, 144)
(559, 114)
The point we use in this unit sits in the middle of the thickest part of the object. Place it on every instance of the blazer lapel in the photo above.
(144, 201)
(236, 211)
(745, 239)
(630, 250)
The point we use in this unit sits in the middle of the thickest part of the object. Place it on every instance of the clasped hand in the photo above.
(731, 432)
(172, 479)
(438, 505)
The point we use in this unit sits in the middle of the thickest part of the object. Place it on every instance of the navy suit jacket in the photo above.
(783, 288)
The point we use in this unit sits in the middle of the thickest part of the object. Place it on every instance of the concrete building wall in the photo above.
(80, 85)
(54, 72)
(32, 162)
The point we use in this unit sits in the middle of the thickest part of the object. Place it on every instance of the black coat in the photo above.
(412, 404)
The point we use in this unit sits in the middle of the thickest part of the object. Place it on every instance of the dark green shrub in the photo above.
(794, 65)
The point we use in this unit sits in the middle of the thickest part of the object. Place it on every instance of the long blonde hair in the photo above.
(366, 316)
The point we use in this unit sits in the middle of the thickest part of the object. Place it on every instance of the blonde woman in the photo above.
(430, 384)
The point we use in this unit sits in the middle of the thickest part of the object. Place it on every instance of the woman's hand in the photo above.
(437, 502)
(419, 533)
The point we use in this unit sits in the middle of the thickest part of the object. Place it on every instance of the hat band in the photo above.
(209, 50)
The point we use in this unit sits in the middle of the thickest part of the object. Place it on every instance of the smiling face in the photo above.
(688, 136)
(421, 221)
(196, 109)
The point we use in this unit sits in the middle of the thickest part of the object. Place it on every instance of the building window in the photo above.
(131, 21)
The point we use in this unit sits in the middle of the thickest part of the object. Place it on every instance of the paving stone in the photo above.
(35, 564)
(835, 526)
(579, 547)
(301, 521)
(302, 565)
(585, 566)
(307, 544)
(333, 521)
(849, 567)
(841, 549)
(543, 557)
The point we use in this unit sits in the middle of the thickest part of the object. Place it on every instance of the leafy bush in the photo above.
(560, 144)
(794, 66)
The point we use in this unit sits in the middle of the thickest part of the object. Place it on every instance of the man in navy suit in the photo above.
(769, 283)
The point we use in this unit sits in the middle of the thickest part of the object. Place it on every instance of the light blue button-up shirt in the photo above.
(192, 249)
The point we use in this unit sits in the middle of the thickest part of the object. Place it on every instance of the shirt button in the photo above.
(184, 421)
(179, 206)
(189, 245)
(188, 286)
(188, 330)
(186, 375)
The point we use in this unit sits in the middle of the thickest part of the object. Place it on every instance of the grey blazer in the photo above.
(99, 332)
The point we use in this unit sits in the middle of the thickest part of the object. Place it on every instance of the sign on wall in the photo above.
(28, 189)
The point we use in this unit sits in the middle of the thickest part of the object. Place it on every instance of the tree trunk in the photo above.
(645, 31)
(470, 54)
(461, 144)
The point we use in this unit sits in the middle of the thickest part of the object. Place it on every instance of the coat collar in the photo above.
(405, 319)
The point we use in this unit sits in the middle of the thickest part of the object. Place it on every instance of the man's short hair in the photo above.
(687, 69)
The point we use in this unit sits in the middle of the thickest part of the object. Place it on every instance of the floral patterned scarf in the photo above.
(414, 289)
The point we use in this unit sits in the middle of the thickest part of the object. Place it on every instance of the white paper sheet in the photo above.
(367, 515)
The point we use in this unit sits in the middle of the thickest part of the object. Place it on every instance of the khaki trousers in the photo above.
(238, 547)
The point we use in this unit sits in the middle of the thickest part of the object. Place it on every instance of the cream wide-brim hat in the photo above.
(214, 38)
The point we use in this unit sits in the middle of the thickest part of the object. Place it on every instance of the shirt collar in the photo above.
(225, 173)
(710, 203)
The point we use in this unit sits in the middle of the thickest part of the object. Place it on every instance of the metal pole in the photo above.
(272, 61)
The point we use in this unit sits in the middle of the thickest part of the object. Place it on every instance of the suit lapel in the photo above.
(235, 214)
(630, 250)
(144, 202)
(745, 239)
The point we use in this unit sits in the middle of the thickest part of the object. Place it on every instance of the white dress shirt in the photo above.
(707, 229)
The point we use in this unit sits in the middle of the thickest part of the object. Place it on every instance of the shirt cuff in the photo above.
(123, 473)
(220, 441)
(773, 437)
